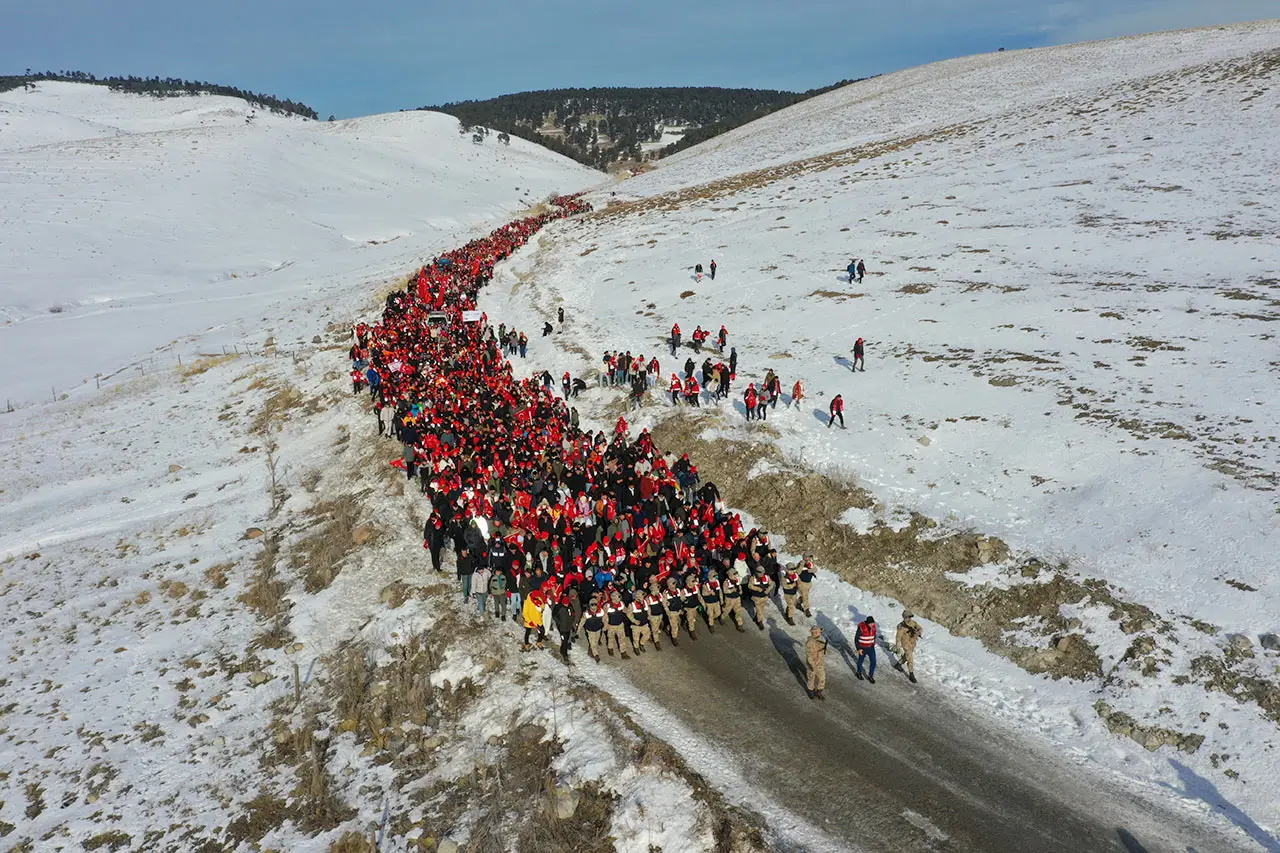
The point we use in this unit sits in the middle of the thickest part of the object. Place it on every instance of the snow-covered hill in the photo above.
(129, 223)
(1070, 313)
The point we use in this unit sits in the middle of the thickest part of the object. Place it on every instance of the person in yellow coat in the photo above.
(532, 613)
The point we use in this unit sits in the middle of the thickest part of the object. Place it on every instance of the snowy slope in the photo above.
(131, 223)
(1070, 316)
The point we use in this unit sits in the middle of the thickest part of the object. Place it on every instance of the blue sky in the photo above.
(359, 58)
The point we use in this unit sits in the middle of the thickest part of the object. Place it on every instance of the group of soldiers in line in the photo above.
(659, 609)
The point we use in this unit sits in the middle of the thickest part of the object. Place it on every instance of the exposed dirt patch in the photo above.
(905, 564)
(838, 295)
(915, 288)
(1151, 737)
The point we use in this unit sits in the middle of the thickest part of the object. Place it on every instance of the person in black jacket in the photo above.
(563, 618)
(433, 539)
(473, 539)
(465, 569)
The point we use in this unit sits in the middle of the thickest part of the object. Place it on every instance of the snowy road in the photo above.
(893, 767)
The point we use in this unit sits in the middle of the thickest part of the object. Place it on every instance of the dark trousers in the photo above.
(864, 654)
(835, 415)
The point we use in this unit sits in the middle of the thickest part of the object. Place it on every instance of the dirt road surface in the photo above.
(893, 766)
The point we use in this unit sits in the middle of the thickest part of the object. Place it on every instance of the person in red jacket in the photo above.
(797, 393)
(676, 389)
(865, 640)
(675, 337)
(692, 392)
(858, 353)
(751, 399)
(837, 411)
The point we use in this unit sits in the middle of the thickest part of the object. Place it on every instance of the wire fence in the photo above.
(167, 363)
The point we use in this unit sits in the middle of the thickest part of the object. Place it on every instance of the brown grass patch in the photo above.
(204, 365)
(915, 288)
(838, 295)
(687, 293)
(757, 178)
(265, 593)
(352, 842)
(333, 536)
(803, 506)
(276, 409)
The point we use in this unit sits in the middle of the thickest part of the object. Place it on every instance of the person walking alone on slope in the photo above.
(815, 650)
(837, 411)
(712, 270)
(857, 356)
(908, 635)
(865, 640)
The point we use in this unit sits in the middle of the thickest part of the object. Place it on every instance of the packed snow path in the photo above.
(886, 767)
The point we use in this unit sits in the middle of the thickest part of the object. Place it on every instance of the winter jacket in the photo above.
(465, 566)
(866, 636)
(562, 616)
(532, 614)
(908, 635)
(815, 648)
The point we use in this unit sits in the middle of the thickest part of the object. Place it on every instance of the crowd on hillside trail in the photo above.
(588, 533)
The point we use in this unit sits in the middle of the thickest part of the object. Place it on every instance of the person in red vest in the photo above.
(865, 640)
(692, 391)
(675, 338)
(837, 411)
(751, 399)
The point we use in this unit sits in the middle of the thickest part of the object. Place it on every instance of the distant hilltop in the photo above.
(160, 87)
(617, 126)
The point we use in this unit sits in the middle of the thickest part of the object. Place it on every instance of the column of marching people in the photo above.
(595, 534)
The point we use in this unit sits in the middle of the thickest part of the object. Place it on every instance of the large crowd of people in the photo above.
(595, 534)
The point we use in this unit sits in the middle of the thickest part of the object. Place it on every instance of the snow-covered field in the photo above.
(1070, 313)
(135, 229)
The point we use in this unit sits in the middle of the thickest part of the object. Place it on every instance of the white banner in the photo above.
(471, 316)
